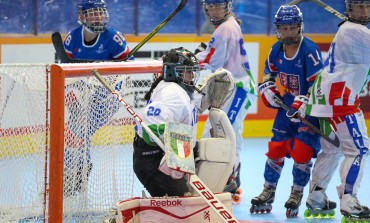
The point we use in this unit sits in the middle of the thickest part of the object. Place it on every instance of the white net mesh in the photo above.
(98, 153)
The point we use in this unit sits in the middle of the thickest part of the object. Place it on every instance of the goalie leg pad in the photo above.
(172, 209)
(217, 155)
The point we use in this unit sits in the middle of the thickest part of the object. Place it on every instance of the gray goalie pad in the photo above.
(216, 156)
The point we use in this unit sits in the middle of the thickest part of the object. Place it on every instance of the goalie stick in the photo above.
(322, 5)
(193, 179)
(59, 47)
(334, 141)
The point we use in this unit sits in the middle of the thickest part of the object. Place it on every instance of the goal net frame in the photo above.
(56, 74)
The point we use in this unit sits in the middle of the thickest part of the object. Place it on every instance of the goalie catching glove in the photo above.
(297, 108)
(215, 90)
(268, 92)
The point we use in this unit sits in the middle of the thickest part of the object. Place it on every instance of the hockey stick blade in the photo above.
(322, 5)
(334, 141)
(194, 180)
(56, 38)
(157, 28)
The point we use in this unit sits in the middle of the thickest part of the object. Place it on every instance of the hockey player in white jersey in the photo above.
(226, 50)
(335, 99)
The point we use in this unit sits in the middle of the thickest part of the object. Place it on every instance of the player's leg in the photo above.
(328, 159)
(355, 144)
(278, 148)
(146, 160)
(306, 146)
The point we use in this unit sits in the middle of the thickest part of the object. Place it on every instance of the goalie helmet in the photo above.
(358, 11)
(181, 66)
(288, 16)
(93, 14)
(217, 11)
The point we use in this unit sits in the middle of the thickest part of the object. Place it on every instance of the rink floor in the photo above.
(253, 161)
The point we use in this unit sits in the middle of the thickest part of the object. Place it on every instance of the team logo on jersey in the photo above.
(180, 144)
(101, 49)
(293, 82)
(299, 64)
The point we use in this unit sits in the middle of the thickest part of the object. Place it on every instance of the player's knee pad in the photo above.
(301, 152)
(302, 173)
(279, 150)
(273, 170)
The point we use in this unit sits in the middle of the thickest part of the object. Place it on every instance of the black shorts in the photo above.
(146, 161)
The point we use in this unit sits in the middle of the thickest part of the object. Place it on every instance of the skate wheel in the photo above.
(287, 214)
(316, 216)
(239, 191)
(251, 210)
(236, 198)
(331, 214)
(268, 210)
(323, 215)
(307, 214)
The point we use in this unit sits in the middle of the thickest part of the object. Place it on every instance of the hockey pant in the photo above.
(291, 139)
(146, 160)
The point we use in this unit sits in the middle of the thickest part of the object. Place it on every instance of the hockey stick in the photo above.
(157, 28)
(59, 47)
(56, 38)
(322, 5)
(194, 180)
(334, 141)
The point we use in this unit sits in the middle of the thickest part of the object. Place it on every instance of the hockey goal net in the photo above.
(66, 153)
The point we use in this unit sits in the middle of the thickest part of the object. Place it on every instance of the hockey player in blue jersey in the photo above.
(93, 40)
(296, 60)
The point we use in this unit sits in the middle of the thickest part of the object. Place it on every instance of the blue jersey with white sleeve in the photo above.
(297, 73)
(109, 45)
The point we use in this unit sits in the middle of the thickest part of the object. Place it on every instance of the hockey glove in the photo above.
(268, 91)
(164, 168)
(298, 107)
(202, 47)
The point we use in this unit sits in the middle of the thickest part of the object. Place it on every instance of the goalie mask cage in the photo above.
(66, 142)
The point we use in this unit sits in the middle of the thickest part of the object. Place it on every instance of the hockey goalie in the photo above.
(212, 160)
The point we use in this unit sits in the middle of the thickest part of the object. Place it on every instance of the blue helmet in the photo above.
(360, 15)
(224, 8)
(93, 14)
(288, 15)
